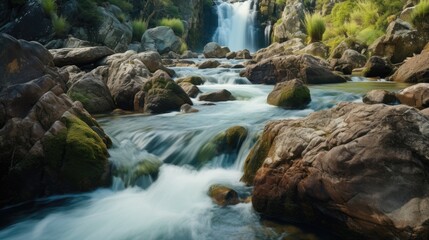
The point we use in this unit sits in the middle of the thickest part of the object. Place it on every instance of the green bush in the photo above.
(315, 26)
(60, 25)
(183, 47)
(88, 13)
(420, 14)
(369, 35)
(175, 24)
(139, 27)
(49, 6)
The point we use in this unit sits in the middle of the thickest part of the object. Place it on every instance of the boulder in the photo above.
(223, 195)
(209, 64)
(377, 67)
(162, 94)
(348, 43)
(309, 69)
(415, 96)
(152, 60)
(380, 96)
(190, 89)
(186, 108)
(48, 144)
(357, 170)
(161, 39)
(231, 55)
(399, 42)
(292, 94)
(91, 90)
(414, 70)
(316, 49)
(189, 54)
(79, 56)
(243, 54)
(195, 80)
(353, 58)
(291, 25)
(279, 49)
(214, 50)
(219, 96)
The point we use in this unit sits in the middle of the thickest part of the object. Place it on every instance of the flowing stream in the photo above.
(172, 203)
(237, 24)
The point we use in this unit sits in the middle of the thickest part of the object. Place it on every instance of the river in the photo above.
(174, 203)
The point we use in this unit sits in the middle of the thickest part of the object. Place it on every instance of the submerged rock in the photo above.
(339, 166)
(186, 108)
(219, 96)
(223, 195)
(209, 64)
(292, 94)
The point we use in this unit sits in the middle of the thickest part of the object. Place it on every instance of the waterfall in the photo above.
(267, 33)
(237, 27)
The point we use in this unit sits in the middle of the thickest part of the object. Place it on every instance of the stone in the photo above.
(292, 94)
(289, 47)
(377, 67)
(338, 166)
(218, 96)
(316, 49)
(400, 42)
(186, 108)
(190, 89)
(414, 70)
(214, 50)
(92, 92)
(195, 80)
(231, 55)
(152, 60)
(406, 14)
(243, 54)
(353, 58)
(309, 69)
(188, 54)
(415, 96)
(223, 195)
(162, 94)
(209, 64)
(79, 56)
(161, 39)
(291, 24)
(380, 96)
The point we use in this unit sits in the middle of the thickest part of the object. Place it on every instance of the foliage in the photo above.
(88, 12)
(139, 27)
(280, 2)
(60, 25)
(315, 26)
(183, 47)
(49, 6)
(122, 17)
(175, 24)
(420, 13)
(369, 35)
(125, 5)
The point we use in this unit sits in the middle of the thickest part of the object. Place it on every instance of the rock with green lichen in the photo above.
(195, 80)
(291, 95)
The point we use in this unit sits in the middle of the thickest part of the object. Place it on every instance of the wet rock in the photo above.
(339, 166)
(219, 96)
(223, 195)
(231, 55)
(380, 96)
(186, 108)
(161, 39)
(415, 96)
(195, 80)
(309, 69)
(414, 70)
(243, 54)
(79, 56)
(162, 94)
(189, 54)
(292, 94)
(377, 67)
(209, 64)
(214, 50)
(190, 89)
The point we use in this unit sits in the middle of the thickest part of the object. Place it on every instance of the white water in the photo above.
(175, 205)
(267, 33)
(236, 25)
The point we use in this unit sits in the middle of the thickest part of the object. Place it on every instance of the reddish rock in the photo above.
(415, 96)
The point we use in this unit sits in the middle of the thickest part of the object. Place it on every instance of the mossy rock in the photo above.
(223, 195)
(77, 155)
(195, 80)
(226, 142)
(146, 167)
(292, 94)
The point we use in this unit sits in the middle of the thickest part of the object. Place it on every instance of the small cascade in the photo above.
(237, 25)
(267, 33)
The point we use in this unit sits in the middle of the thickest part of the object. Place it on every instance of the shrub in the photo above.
(139, 27)
(49, 6)
(369, 35)
(60, 25)
(88, 12)
(420, 14)
(183, 47)
(175, 24)
(122, 4)
(315, 26)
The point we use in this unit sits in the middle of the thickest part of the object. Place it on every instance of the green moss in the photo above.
(78, 96)
(420, 14)
(256, 157)
(195, 80)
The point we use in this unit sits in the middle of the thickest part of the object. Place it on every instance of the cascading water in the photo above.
(267, 33)
(237, 25)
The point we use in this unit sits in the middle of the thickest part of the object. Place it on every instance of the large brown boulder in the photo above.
(48, 144)
(162, 94)
(214, 50)
(414, 70)
(79, 56)
(358, 170)
(377, 67)
(292, 94)
(415, 96)
(309, 69)
(401, 41)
